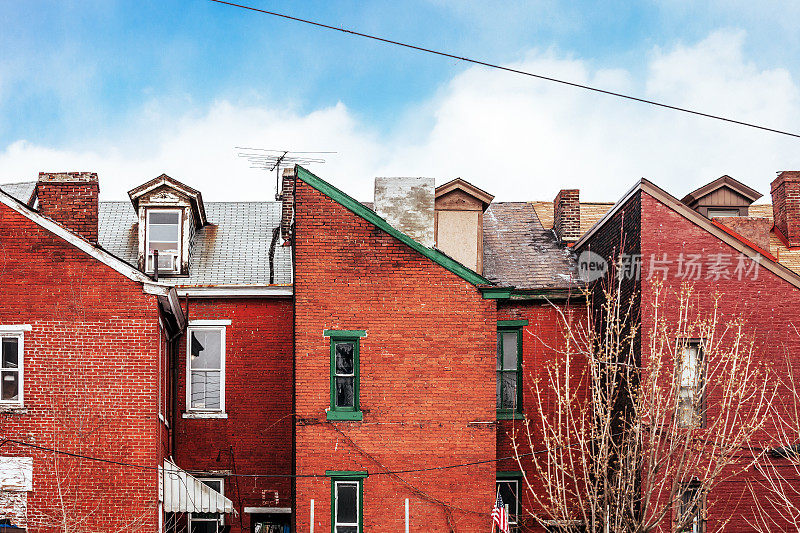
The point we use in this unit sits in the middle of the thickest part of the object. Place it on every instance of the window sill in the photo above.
(204, 415)
(510, 416)
(345, 415)
(13, 410)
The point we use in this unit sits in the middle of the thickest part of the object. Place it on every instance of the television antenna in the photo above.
(269, 160)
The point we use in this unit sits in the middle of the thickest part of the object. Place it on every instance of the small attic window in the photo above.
(164, 235)
(716, 213)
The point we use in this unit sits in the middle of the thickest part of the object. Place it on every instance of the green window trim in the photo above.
(347, 477)
(337, 412)
(511, 323)
(508, 474)
(504, 327)
(344, 333)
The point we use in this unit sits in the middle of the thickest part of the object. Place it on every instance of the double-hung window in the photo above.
(509, 368)
(690, 405)
(11, 366)
(208, 522)
(205, 366)
(508, 487)
(164, 236)
(347, 506)
(345, 375)
(690, 508)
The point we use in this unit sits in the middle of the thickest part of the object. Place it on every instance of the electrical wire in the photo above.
(509, 69)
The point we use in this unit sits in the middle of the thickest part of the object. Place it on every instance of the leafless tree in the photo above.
(633, 426)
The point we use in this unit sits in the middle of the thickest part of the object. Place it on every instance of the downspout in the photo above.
(173, 361)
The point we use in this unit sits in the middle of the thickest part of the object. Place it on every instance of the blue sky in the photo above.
(133, 89)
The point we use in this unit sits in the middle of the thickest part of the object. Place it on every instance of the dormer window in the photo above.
(164, 236)
(723, 197)
(717, 213)
(170, 213)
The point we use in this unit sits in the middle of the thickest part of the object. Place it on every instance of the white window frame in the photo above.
(336, 523)
(206, 325)
(17, 332)
(220, 519)
(179, 253)
(691, 378)
(515, 512)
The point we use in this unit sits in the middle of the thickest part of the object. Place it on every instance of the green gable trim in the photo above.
(347, 474)
(369, 215)
(496, 294)
(344, 333)
(511, 323)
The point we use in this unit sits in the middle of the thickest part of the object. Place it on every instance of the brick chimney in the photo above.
(71, 199)
(567, 215)
(786, 205)
(287, 204)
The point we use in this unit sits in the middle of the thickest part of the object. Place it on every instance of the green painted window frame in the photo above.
(347, 477)
(336, 412)
(506, 326)
(512, 475)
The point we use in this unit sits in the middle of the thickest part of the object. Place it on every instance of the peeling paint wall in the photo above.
(408, 205)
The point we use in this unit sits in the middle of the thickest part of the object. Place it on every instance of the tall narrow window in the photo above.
(509, 368)
(347, 506)
(689, 409)
(508, 487)
(164, 235)
(11, 369)
(690, 508)
(206, 368)
(345, 374)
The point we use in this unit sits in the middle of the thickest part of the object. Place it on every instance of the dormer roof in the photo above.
(167, 183)
(737, 192)
(466, 187)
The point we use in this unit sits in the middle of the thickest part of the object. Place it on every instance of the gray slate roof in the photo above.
(233, 249)
(519, 251)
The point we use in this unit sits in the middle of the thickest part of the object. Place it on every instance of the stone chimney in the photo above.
(567, 215)
(408, 205)
(287, 204)
(71, 199)
(786, 205)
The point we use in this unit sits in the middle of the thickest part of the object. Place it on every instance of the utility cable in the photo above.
(508, 69)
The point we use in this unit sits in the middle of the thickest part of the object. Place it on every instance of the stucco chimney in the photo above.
(71, 199)
(786, 205)
(407, 204)
(287, 204)
(567, 215)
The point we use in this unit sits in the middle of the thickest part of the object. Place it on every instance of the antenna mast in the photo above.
(276, 160)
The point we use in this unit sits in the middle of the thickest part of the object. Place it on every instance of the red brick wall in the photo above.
(427, 374)
(71, 199)
(767, 304)
(256, 438)
(543, 345)
(91, 378)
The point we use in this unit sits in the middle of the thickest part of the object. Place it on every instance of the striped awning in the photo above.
(182, 493)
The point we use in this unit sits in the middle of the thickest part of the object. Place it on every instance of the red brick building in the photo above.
(320, 364)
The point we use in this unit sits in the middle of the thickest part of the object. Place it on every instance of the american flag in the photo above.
(500, 516)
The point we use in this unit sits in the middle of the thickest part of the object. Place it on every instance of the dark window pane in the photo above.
(206, 349)
(10, 386)
(499, 397)
(346, 529)
(346, 503)
(499, 351)
(162, 217)
(344, 358)
(344, 392)
(510, 350)
(204, 527)
(509, 492)
(509, 390)
(10, 353)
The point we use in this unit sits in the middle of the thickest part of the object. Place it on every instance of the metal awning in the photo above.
(183, 493)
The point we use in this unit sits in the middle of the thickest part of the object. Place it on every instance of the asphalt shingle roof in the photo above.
(519, 251)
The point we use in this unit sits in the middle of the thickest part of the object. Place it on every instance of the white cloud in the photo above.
(514, 136)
